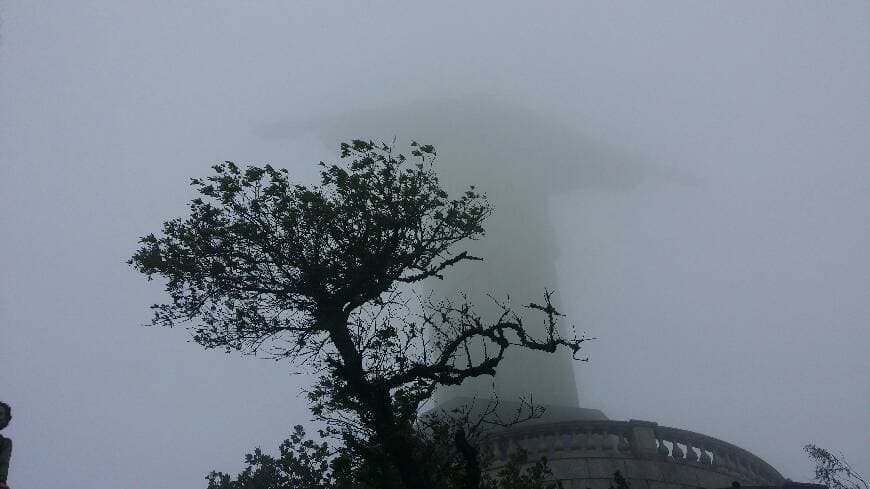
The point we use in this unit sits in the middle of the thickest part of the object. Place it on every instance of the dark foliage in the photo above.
(303, 464)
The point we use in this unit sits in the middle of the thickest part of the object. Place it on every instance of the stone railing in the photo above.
(695, 447)
(634, 440)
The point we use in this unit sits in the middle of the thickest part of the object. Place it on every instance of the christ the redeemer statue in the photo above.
(518, 159)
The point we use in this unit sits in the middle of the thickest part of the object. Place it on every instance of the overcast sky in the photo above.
(725, 270)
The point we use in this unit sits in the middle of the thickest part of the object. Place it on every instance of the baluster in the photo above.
(551, 441)
(624, 444)
(663, 449)
(559, 442)
(576, 440)
(677, 452)
(590, 441)
(705, 457)
(690, 453)
(568, 440)
(608, 441)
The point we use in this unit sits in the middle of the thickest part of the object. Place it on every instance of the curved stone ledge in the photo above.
(585, 453)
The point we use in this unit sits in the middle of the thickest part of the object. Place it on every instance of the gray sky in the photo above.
(727, 283)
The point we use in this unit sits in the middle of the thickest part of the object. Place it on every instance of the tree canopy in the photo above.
(323, 276)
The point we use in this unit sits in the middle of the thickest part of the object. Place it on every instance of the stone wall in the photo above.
(584, 455)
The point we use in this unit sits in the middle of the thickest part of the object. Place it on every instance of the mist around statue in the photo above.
(690, 179)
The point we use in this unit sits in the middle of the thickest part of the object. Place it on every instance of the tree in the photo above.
(304, 464)
(834, 471)
(324, 276)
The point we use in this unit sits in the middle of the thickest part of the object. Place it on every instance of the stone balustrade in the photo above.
(717, 461)
(724, 457)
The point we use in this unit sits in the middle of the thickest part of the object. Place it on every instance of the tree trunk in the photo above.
(392, 434)
(397, 439)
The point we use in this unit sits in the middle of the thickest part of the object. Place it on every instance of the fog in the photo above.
(692, 178)
(522, 159)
